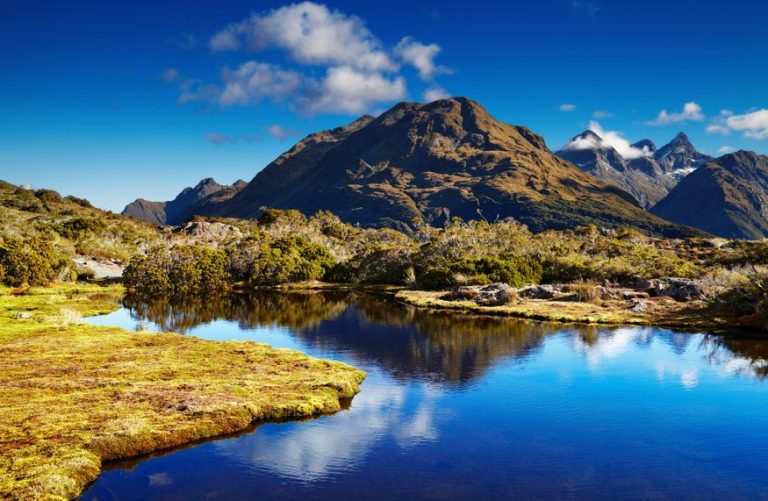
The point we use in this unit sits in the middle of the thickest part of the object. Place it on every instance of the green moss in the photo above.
(76, 395)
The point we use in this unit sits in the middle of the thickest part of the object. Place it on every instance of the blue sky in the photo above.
(118, 100)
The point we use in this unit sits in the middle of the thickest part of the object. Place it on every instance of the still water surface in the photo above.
(460, 407)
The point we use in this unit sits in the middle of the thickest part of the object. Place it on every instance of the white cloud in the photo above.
(434, 93)
(567, 107)
(691, 111)
(718, 124)
(607, 139)
(253, 81)
(600, 114)
(281, 133)
(348, 90)
(420, 56)
(725, 149)
(617, 141)
(359, 74)
(753, 124)
(311, 33)
(219, 139)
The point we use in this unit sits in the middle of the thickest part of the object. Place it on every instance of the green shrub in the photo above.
(184, 269)
(31, 261)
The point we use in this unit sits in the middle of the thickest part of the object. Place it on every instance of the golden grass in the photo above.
(74, 395)
(662, 311)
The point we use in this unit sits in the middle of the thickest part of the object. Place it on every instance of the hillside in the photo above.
(727, 197)
(424, 163)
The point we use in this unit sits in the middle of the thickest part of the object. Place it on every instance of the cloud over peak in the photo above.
(604, 139)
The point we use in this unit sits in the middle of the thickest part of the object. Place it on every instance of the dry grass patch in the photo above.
(73, 395)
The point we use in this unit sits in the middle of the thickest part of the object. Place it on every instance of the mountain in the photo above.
(727, 197)
(644, 171)
(189, 201)
(423, 163)
(679, 158)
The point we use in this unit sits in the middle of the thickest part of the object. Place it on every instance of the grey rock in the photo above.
(680, 289)
(537, 292)
(22, 315)
(496, 295)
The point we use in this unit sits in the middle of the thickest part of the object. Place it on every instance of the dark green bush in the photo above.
(79, 227)
(184, 269)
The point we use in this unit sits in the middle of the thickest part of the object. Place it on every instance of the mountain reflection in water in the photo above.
(458, 406)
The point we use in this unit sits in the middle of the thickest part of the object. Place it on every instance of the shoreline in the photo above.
(666, 312)
(77, 396)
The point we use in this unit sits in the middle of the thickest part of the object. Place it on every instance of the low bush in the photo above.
(31, 261)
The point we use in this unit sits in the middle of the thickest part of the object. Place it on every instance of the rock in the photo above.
(639, 306)
(679, 289)
(100, 268)
(22, 315)
(537, 292)
(496, 295)
(208, 231)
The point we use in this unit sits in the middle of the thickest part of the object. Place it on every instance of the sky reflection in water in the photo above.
(460, 407)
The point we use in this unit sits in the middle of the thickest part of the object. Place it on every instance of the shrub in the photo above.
(184, 269)
(31, 261)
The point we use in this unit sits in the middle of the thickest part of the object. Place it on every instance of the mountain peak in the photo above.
(645, 144)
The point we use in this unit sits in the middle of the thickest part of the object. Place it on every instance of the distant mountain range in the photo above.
(727, 197)
(648, 174)
(188, 203)
(424, 163)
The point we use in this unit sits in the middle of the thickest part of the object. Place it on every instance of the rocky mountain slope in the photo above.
(188, 202)
(727, 197)
(423, 163)
(648, 174)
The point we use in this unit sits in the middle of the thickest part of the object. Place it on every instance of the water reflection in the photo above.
(459, 406)
(409, 342)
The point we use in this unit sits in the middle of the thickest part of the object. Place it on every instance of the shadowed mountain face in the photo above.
(727, 197)
(428, 162)
(189, 202)
(648, 174)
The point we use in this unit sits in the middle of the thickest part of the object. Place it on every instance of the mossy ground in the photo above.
(73, 395)
(662, 312)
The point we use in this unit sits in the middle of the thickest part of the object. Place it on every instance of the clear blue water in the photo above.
(460, 407)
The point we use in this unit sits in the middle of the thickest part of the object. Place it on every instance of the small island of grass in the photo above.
(76, 395)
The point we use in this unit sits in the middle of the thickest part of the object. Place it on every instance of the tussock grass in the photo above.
(74, 395)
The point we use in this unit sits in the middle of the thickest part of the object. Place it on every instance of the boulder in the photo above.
(679, 289)
(537, 292)
(496, 295)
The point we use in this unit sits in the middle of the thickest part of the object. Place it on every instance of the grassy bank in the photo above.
(73, 395)
(661, 312)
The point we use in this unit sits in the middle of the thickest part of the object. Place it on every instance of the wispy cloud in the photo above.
(691, 112)
(434, 93)
(753, 124)
(219, 139)
(601, 114)
(281, 133)
(725, 149)
(589, 8)
(360, 73)
(421, 56)
(567, 107)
